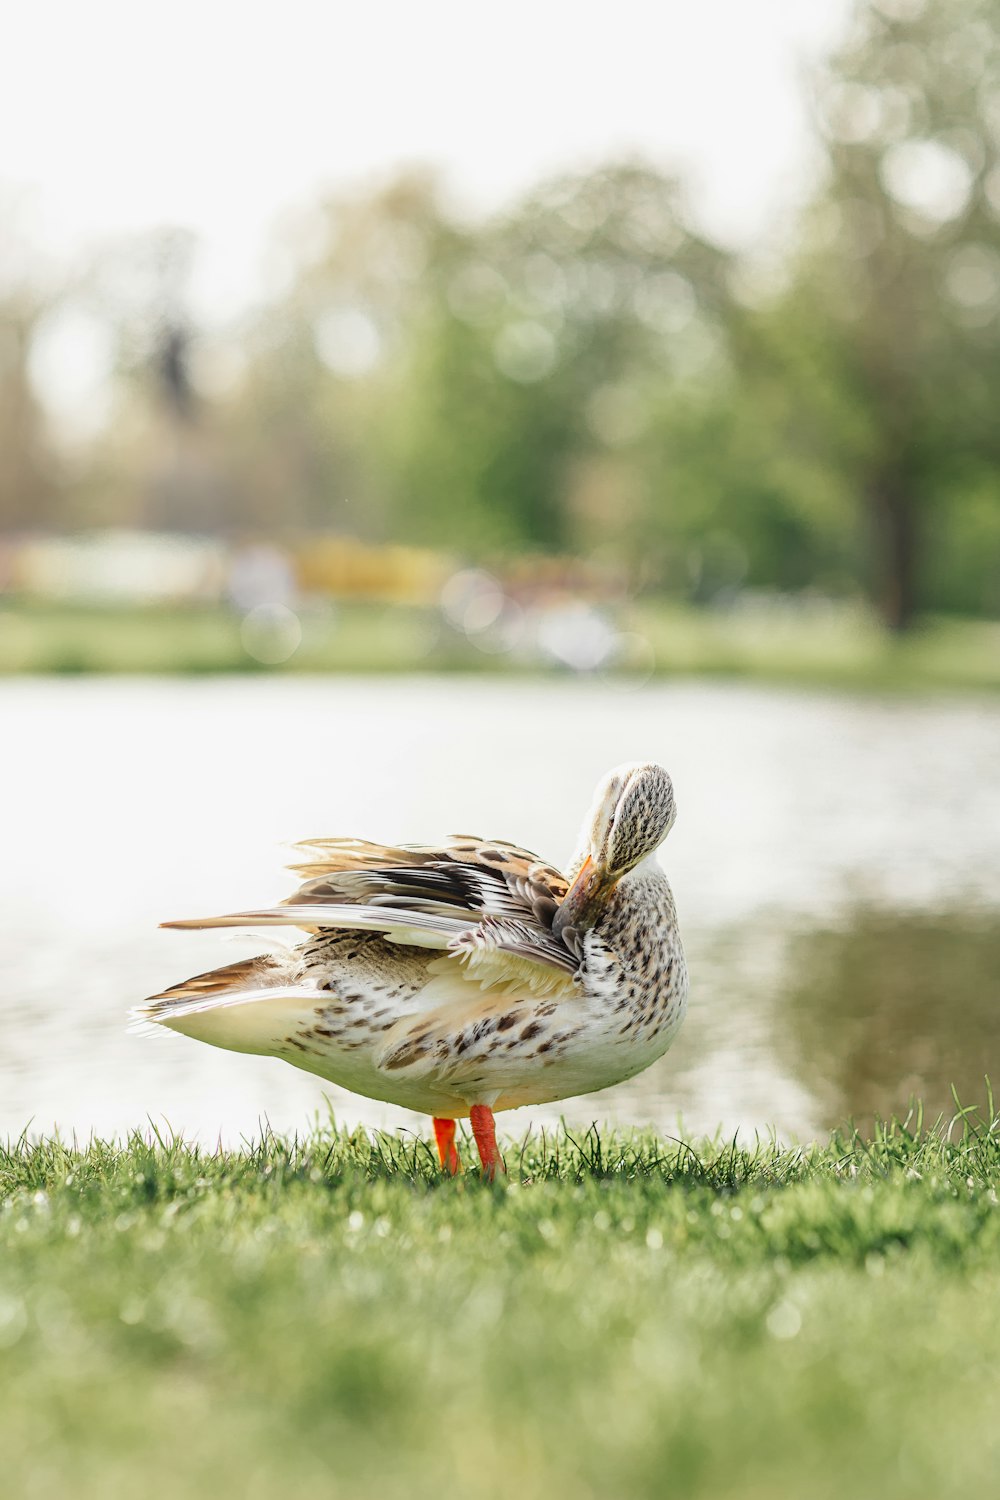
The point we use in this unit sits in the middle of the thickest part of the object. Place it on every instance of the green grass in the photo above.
(844, 648)
(624, 1316)
(44, 638)
(847, 649)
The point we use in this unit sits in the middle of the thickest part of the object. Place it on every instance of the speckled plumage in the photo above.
(464, 976)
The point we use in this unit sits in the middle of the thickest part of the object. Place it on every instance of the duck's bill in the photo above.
(585, 900)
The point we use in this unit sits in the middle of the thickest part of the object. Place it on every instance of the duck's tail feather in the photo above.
(400, 923)
(248, 1006)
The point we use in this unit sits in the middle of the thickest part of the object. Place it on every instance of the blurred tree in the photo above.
(160, 466)
(899, 282)
(745, 502)
(30, 482)
(526, 376)
(304, 394)
(172, 364)
(29, 492)
(481, 386)
(586, 372)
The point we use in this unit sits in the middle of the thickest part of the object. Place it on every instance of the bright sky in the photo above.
(117, 116)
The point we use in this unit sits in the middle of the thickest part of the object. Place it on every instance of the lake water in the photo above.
(836, 863)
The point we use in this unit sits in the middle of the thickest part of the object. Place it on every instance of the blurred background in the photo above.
(406, 415)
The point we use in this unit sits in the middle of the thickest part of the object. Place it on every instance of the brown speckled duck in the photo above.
(463, 978)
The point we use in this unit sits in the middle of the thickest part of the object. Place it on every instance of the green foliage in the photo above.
(898, 277)
(523, 352)
(331, 1316)
(585, 372)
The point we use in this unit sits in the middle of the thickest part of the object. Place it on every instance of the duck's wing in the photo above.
(524, 874)
(489, 904)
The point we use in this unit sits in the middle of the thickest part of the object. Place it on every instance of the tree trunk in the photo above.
(895, 551)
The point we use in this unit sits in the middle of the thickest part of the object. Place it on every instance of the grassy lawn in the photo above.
(175, 639)
(623, 1317)
(845, 649)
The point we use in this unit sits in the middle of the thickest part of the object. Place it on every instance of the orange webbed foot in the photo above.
(485, 1131)
(444, 1134)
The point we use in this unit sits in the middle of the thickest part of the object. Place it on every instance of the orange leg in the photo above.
(485, 1131)
(444, 1134)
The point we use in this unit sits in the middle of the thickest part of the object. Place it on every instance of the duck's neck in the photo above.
(648, 869)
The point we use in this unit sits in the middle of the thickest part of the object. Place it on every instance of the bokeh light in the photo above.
(271, 633)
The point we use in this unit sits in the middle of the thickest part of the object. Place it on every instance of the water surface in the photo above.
(836, 863)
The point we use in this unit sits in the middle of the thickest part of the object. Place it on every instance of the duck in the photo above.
(463, 978)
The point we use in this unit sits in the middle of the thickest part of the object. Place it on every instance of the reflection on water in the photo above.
(804, 1028)
(837, 880)
(891, 1006)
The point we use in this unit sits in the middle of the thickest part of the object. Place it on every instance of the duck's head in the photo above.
(632, 813)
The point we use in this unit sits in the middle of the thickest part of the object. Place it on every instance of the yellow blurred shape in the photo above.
(352, 569)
